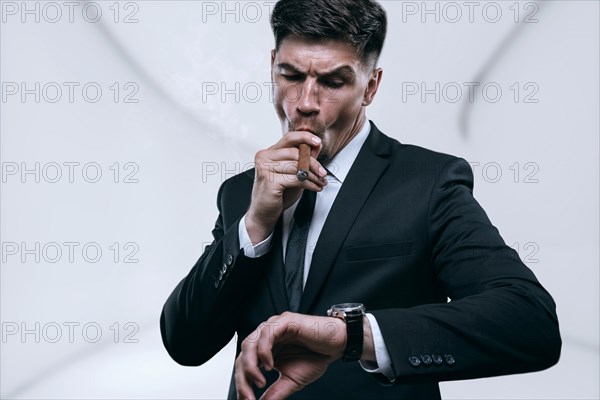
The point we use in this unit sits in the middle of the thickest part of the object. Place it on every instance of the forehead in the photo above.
(317, 55)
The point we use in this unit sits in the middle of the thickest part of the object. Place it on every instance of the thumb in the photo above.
(281, 389)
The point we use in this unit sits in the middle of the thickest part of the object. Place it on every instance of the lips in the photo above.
(312, 126)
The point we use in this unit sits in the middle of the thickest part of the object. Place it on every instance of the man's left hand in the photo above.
(300, 347)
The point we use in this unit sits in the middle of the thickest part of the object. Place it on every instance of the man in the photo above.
(392, 226)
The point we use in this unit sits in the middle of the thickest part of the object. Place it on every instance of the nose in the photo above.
(309, 102)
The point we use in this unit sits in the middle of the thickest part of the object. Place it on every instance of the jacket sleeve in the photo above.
(199, 317)
(500, 320)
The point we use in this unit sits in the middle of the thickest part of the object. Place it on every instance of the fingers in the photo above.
(318, 169)
(242, 384)
(284, 174)
(264, 351)
(256, 352)
(277, 329)
(285, 160)
(277, 185)
(294, 138)
(274, 176)
(289, 344)
(250, 363)
(281, 389)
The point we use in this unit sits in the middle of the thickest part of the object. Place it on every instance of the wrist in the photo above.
(257, 232)
(340, 328)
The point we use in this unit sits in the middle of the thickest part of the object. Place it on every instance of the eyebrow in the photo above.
(344, 70)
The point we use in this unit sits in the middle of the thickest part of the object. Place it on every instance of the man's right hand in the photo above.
(276, 186)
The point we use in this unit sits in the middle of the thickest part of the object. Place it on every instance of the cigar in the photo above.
(303, 162)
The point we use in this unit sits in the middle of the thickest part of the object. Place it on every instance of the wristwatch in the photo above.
(352, 314)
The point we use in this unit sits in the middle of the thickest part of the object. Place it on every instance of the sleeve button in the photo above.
(229, 260)
(449, 359)
(437, 359)
(414, 361)
(224, 268)
(216, 284)
(426, 358)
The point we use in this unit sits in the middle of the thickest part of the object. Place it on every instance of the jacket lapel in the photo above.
(371, 162)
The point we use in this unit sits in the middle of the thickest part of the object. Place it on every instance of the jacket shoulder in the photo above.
(386, 145)
(412, 161)
(414, 153)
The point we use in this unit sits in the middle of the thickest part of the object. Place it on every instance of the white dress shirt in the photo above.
(337, 169)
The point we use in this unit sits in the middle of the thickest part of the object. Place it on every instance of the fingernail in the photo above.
(316, 139)
(322, 171)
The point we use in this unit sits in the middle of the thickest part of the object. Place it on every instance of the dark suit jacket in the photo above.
(403, 236)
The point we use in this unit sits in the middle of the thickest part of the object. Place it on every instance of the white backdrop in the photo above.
(119, 121)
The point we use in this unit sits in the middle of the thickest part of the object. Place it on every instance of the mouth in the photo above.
(312, 126)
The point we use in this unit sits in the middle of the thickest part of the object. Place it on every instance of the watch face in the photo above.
(348, 307)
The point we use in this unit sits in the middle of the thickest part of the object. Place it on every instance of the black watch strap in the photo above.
(354, 338)
(352, 314)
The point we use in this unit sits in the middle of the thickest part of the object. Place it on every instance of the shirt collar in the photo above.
(340, 165)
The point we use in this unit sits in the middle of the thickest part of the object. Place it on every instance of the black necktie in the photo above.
(296, 246)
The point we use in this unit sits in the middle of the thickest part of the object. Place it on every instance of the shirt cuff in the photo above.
(250, 250)
(384, 362)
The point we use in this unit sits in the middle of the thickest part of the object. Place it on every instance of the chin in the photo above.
(323, 158)
(325, 155)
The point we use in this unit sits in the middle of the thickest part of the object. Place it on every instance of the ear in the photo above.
(372, 86)
(273, 53)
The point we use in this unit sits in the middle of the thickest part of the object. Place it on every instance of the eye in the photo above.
(334, 84)
(291, 78)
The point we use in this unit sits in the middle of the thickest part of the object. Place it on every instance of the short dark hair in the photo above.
(360, 23)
